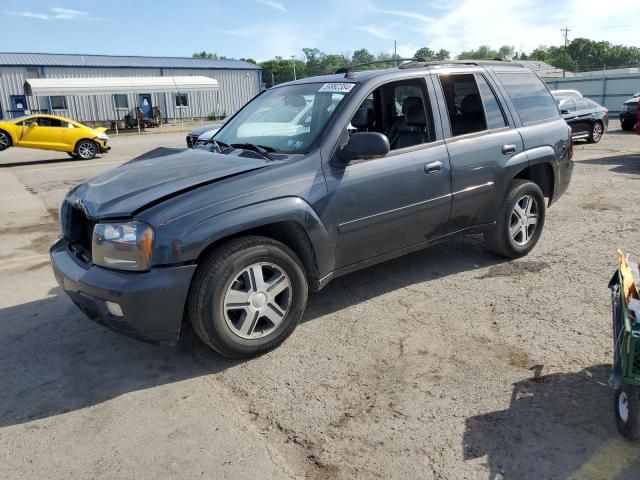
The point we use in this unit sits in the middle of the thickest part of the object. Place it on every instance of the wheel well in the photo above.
(292, 235)
(540, 174)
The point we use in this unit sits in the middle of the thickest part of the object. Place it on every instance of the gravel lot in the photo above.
(445, 364)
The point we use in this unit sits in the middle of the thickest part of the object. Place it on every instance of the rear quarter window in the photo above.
(530, 96)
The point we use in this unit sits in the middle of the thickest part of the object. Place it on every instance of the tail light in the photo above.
(606, 111)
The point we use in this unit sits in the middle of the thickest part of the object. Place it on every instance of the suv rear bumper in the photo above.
(152, 302)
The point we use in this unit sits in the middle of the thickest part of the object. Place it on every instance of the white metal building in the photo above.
(238, 82)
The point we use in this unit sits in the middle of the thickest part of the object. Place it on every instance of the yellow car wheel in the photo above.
(5, 140)
(86, 150)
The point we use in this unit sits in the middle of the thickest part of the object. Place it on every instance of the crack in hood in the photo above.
(125, 190)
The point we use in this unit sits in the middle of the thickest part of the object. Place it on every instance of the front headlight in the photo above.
(124, 246)
(625, 108)
(102, 136)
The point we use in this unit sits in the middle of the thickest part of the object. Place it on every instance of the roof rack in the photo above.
(421, 63)
(348, 71)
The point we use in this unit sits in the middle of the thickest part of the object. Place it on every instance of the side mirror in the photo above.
(364, 146)
(564, 111)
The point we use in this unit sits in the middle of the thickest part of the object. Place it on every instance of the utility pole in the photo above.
(566, 31)
(395, 54)
(293, 59)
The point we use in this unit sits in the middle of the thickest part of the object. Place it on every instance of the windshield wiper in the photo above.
(261, 149)
(217, 144)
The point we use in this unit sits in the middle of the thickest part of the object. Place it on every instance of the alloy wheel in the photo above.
(596, 135)
(257, 300)
(4, 141)
(524, 220)
(87, 150)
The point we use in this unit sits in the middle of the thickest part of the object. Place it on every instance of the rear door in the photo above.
(481, 139)
(584, 117)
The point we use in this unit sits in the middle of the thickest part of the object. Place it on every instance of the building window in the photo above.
(58, 103)
(33, 72)
(182, 100)
(121, 101)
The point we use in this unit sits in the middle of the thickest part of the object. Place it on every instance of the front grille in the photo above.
(636, 358)
(78, 229)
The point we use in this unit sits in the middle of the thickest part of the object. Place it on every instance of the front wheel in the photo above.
(86, 150)
(248, 296)
(520, 220)
(627, 126)
(5, 140)
(627, 407)
(596, 132)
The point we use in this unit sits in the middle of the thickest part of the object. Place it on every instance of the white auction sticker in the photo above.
(337, 87)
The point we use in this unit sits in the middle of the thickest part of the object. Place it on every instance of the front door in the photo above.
(383, 205)
(19, 106)
(43, 132)
(145, 105)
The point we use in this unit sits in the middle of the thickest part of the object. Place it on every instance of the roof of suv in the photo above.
(352, 75)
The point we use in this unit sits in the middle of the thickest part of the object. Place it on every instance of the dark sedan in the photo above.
(586, 118)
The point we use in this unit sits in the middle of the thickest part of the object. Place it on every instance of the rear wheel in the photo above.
(520, 220)
(5, 140)
(596, 132)
(627, 407)
(247, 296)
(86, 149)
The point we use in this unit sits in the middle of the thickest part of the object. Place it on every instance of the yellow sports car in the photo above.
(49, 132)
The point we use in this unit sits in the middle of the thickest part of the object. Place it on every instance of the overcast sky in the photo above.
(262, 29)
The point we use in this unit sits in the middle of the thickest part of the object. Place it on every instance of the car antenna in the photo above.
(348, 71)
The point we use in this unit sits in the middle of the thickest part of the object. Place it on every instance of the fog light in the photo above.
(114, 309)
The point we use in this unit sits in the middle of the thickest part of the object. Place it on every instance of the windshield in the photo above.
(285, 119)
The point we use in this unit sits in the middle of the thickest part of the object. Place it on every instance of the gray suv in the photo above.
(312, 180)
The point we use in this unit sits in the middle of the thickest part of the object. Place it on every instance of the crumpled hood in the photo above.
(200, 130)
(125, 190)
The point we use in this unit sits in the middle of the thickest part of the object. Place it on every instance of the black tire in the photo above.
(597, 131)
(499, 239)
(215, 276)
(5, 140)
(627, 126)
(86, 150)
(629, 426)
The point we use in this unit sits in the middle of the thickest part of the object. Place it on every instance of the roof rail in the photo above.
(350, 69)
(420, 63)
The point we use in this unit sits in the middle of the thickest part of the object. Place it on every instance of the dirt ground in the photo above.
(445, 364)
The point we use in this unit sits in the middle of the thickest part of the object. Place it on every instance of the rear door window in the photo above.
(493, 111)
(582, 105)
(530, 96)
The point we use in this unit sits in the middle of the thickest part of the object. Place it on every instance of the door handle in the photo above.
(433, 167)
(509, 148)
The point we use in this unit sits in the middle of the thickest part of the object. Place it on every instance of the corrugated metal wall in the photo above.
(237, 87)
(609, 90)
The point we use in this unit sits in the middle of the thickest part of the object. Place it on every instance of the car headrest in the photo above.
(415, 116)
(471, 104)
(295, 101)
(361, 118)
(409, 102)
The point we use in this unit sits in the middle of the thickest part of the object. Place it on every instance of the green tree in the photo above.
(484, 52)
(506, 52)
(314, 61)
(204, 54)
(249, 60)
(362, 56)
(540, 54)
(426, 53)
(442, 54)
